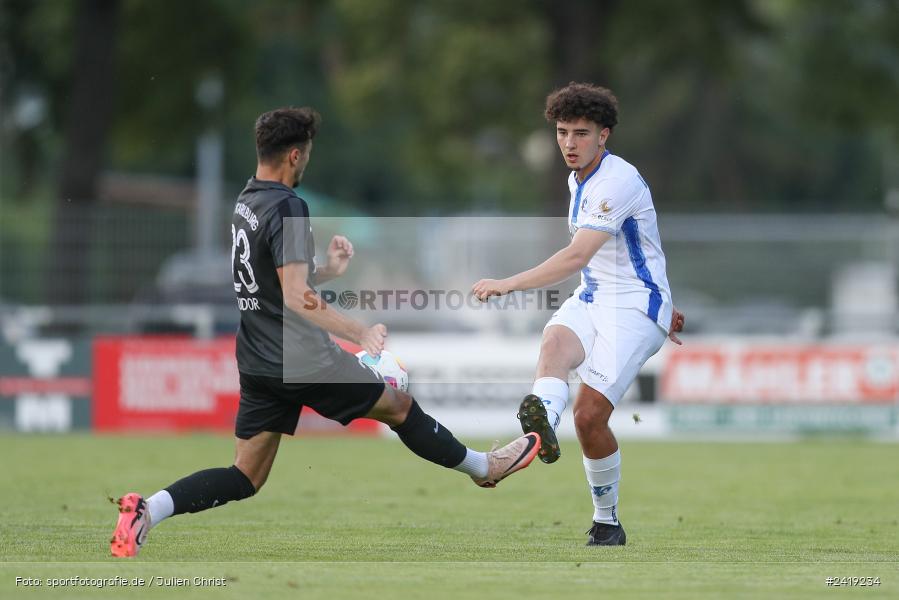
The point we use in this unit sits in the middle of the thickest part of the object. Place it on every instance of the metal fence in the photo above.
(123, 247)
(795, 275)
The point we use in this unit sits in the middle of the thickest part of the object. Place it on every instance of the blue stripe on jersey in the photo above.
(638, 259)
(580, 188)
(590, 284)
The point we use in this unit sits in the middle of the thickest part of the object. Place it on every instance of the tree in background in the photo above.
(88, 118)
(119, 81)
(428, 105)
(447, 93)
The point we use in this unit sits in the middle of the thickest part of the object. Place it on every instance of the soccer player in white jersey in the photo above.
(620, 314)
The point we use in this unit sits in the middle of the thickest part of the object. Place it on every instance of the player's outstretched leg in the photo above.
(533, 417)
(430, 440)
(132, 528)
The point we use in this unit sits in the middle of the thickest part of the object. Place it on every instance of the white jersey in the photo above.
(628, 271)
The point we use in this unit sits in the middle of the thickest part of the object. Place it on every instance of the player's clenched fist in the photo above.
(485, 288)
(339, 253)
(677, 325)
(372, 340)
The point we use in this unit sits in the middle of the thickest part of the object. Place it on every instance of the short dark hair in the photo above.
(583, 101)
(279, 130)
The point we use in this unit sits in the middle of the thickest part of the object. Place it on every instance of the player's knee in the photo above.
(550, 345)
(590, 418)
(257, 474)
(393, 408)
(555, 349)
(402, 405)
(582, 420)
(258, 480)
(254, 465)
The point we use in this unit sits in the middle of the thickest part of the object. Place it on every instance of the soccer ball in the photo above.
(388, 366)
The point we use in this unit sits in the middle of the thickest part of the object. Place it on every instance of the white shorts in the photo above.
(617, 341)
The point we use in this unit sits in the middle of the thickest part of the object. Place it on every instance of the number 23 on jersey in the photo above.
(242, 270)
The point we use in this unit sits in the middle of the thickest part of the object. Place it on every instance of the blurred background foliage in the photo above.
(435, 106)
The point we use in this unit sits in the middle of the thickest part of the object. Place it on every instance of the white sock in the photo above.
(161, 507)
(474, 463)
(554, 393)
(602, 476)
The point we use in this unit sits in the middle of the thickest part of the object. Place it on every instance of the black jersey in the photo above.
(270, 227)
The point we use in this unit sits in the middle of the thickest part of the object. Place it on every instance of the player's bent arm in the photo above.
(322, 274)
(301, 299)
(563, 264)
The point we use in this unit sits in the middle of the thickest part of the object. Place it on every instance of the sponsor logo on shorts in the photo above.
(597, 374)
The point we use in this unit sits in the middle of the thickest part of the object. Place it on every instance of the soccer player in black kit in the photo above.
(285, 354)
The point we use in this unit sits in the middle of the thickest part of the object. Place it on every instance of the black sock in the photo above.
(209, 488)
(427, 438)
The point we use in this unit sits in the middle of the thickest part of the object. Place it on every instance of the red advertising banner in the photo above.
(177, 384)
(750, 373)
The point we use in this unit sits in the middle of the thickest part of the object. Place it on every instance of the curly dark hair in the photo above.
(279, 130)
(583, 101)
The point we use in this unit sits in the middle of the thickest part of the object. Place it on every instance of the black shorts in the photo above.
(348, 390)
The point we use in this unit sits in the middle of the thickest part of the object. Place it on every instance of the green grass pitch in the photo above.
(364, 518)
